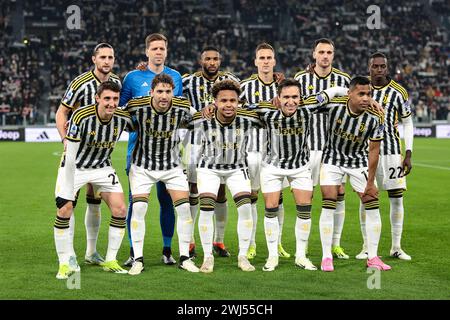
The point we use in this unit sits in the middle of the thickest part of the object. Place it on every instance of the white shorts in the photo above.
(209, 180)
(331, 175)
(315, 161)
(272, 178)
(390, 172)
(190, 159)
(142, 180)
(102, 180)
(254, 160)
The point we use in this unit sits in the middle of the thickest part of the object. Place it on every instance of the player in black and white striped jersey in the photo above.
(92, 136)
(81, 92)
(257, 88)
(392, 168)
(156, 157)
(197, 88)
(223, 140)
(347, 151)
(287, 157)
(317, 77)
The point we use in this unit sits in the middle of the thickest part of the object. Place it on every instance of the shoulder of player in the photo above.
(172, 72)
(139, 101)
(81, 79)
(243, 113)
(181, 102)
(198, 117)
(228, 75)
(399, 88)
(376, 115)
(114, 77)
(122, 114)
(83, 113)
(253, 77)
(339, 100)
(300, 74)
(341, 73)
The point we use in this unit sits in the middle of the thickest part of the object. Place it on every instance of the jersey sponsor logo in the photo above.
(92, 133)
(102, 144)
(311, 87)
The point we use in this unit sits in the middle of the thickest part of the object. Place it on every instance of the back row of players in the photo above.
(290, 139)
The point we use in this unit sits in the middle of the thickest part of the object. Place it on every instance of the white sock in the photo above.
(280, 221)
(326, 227)
(362, 221)
(397, 214)
(255, 222)
(221, 216)
(302, 229)
(92, 220)
(373, 227)
(115, 237)
(71, 236)
(138, 228)
(244, 226)
(193, 200)
(272, 229)
(61, 236)
(206, 231)
(339, 217)
(184, 227)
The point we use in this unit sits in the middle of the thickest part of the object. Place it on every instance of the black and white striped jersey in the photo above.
(97, 138)
(312, 84)
(254, 90)
(157, 146)
(224, 146)
(197, 88)
(394, 99)
(348, 140)
(82, 90)
(287, 146)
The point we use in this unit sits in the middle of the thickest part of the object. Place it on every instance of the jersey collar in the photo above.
(351, 113)
(221, 123)
(266, 83)
(382, 87)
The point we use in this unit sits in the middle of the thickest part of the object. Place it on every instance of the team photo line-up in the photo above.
(194, 135)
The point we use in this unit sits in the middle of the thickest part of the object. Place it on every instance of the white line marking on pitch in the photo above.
(431, 166)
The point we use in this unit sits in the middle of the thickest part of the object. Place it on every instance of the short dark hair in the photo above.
(100, 46)
(209, 48)
(107, 85)
(378, 55)
(162, 78)
(323, 40)
(359, 80)
(264, 45)
(289, 82)
(154, 37)
(225, 85)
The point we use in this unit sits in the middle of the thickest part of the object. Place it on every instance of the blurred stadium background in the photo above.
(39, 55)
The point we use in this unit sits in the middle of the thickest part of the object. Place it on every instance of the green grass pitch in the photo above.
(29, 261)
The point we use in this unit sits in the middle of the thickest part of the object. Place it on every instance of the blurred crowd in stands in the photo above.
(414, 35)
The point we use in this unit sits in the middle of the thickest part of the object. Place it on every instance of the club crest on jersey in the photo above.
(116, 131)
(362, 127)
